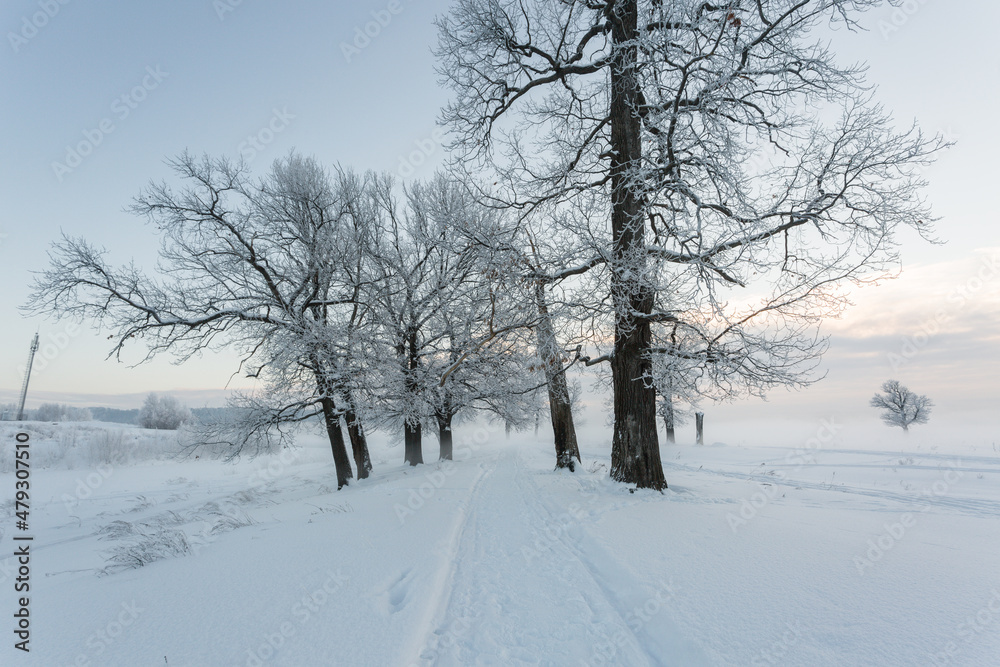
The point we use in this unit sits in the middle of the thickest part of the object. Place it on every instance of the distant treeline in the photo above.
(55, 412)
(118, 416)
(47, 412)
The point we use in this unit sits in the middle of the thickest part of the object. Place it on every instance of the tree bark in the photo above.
(445, 436)
(413, 453)
(340, 460)
(635, 451)
(359, 443)
(560, 407)
(699, 427)
(332, 419)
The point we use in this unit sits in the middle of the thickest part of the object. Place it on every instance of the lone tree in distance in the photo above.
(900, 406)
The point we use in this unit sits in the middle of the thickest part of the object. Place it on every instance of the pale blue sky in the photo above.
(221, 80)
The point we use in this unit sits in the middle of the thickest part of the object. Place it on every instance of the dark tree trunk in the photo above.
(699, 427)
(635, 451)
(413, 453)
(560, 407)
(445, 436)
(340, 460)
(564, 434)
(332, 419)
(359, 443)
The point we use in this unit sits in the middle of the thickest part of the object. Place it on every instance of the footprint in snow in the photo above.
(396, 594)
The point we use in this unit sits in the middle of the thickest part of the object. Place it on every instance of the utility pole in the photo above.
(27, 376)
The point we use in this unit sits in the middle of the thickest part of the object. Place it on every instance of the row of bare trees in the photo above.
(674, 193)
(349, 298)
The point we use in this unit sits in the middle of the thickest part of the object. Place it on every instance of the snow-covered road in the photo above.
(857, 557)
(527, 585)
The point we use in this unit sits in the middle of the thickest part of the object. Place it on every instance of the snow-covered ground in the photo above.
(831, 551)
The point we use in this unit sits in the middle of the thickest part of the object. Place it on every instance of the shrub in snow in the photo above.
(146, 548)
(226, 519)
(55, 412)
(109, 446)
(116, 530)
(163, 412)
(49, 412)
(900, 406)
(171, 534)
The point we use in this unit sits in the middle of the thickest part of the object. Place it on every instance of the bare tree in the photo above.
(676, 382)
(525, 270)
(492, 379)
(554, 366)
(724, 173)
(253, 265)
(442, 315)
(900, 406)
(417, 274)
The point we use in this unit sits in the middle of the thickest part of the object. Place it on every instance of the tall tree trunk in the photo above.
(359, 443)
(413, 453)
(340, 460)
(635, 451)
(332, 419)
(560, 407)
(445, 436)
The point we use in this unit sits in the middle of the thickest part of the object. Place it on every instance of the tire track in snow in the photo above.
(505, 602)
(636, 607)
(428, 633)
(965, 458)
(499, 609)
(972, 506)
(560, 542)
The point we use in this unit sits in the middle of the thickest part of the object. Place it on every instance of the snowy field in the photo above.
(838, 550)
